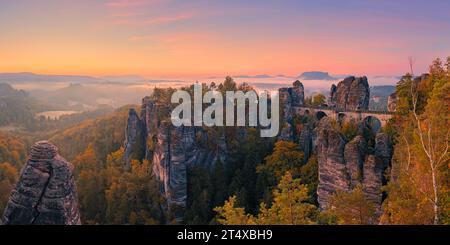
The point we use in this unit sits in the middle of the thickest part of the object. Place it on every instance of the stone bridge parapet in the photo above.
(343, 115)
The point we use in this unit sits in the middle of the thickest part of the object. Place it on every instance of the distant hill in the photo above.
(7, 90)
(379, 95)
(123, 79)
(74, 96)
(253, 76)
(17, 106)
(383, 90)
(27, 77)
(315, 75)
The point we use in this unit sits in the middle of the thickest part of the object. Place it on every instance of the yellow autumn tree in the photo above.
(289, 207)
(351, 208)
(286, 156)
(8, 178)
(418, 191)
(229, 214)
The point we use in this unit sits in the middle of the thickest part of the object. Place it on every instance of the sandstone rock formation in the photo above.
(352, 93)
(297, 93)
(383, 149)
(172, 150)
(354, 155)
(290, 97)
(305, 141)
(332, 99)
(46, 191)
(330, 158)
(372, 181)
(392, 102)
(344, 165)
(134, 138)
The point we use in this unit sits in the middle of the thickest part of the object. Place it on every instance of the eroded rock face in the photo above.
(332, 99)
(330, 158)
(134, 138)
(355, 154)
(372, 180)
(305, 141)
(297, 93)
(286, 132)
(344, 165)
(46, 191)
(383, 149)
(392, 102)
(290, 97)
(172, 150)
(352, 93)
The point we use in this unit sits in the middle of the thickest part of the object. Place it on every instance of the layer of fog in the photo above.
(116, 94)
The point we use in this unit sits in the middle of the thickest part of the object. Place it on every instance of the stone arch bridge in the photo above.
(378, 117)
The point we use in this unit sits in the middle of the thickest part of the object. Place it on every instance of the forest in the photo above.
(264, 180)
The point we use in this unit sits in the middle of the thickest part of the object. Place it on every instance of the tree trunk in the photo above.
(435, 190)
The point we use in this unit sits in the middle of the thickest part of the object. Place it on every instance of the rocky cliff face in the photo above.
(305, 141)
(134, 138)
(344, 165)
(330, 158)
(297, 93)
(46, 191)
(354, 155)
(392, 102)
(172, 150)
(290, 97)
(332, 98)
(352, 93)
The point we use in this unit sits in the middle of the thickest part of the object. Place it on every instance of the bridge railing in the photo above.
(344, 110)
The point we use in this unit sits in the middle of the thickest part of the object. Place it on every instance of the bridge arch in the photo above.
(320, 115)
(342, 118)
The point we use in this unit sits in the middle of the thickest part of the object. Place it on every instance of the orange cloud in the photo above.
(154, 21)
(173, 38)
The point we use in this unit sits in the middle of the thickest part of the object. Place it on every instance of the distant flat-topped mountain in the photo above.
(316, 75)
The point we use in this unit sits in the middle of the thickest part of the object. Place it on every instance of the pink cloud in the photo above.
(125, 14)
(130, 3)
(154, 21)
(167, 19)
(171, 38)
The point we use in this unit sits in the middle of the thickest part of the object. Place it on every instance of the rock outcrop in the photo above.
(46, 192)
(297, 93)
(172, 150)
(134, 138)
(383, 149)
(392, 102)
(354, 155)
(330, 157)
(333, 97)
(305, 141)
(345, 165)
(352, 93)
(290, 97)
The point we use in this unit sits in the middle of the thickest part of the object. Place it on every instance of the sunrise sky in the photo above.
(168, 38)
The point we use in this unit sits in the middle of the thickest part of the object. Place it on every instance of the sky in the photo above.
(169, 38)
